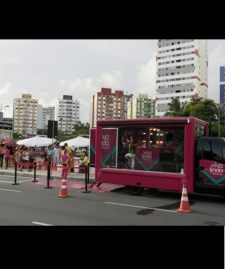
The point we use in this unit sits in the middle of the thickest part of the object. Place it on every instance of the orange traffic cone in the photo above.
(184, 204)
(63, 190)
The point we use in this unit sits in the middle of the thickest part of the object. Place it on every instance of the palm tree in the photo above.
(175, 108)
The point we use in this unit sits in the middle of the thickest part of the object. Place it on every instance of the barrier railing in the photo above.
(46, 164)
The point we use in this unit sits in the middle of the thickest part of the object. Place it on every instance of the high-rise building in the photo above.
(141, 107)
(222, 86)
(44, 115)
(48, 113)
(67, 113)
(25, 115)
(181, 71)
(108, 105)
(39, 117)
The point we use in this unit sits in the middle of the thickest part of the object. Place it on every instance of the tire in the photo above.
(134, 190)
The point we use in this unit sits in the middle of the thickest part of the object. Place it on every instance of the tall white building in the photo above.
(181, 71)
(39, 117)
(25, 115)
(44, 115)
(48, 113)
(67, 114)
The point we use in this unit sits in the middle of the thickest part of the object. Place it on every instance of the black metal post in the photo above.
(35, 167)
(15, 175)
(48, 175)
(86, 172)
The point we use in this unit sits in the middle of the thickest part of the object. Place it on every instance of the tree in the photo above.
(204, 109)
(17, 136)
(201, 108)
(175, 109)
(42, 131)
(81, 128)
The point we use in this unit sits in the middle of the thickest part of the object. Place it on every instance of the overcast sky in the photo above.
(49, 69)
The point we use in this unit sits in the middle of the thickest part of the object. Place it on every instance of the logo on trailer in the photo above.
(105, 141)
(147, 155)
(216, 168)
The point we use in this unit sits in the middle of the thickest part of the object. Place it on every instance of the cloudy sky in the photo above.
(49, 69)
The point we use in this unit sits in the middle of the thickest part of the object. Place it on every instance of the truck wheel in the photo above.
(134, 190)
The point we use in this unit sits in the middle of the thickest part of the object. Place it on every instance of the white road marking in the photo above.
(13, 176)
(142, 207)
(42, 224)
(9, 190)
(10, 182)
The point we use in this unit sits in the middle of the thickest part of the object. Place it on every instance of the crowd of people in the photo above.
(6, 154)
(53, 156)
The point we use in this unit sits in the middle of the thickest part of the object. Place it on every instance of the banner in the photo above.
(109, 147)
(92, 146)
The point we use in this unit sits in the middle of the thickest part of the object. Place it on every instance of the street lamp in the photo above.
(61, 118)
(1, 113)
(3, 107)
(219, 106)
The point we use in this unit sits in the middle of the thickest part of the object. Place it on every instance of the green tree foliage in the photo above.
(204, 109)
(17, 136)
(175, 109)
(42, 131)
(81, 129)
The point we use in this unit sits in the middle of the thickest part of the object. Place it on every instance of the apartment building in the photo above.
(48, 113)
(108, 105)
(141, 107)
(67, 114)
(44, 115)
(181, 71)
(25, 115)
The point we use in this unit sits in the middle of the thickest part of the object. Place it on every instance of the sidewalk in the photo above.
(42, 174)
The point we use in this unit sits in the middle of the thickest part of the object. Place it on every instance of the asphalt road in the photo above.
(29, 204)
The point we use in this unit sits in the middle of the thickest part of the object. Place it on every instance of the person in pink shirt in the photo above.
(65, 160)
(7, 154)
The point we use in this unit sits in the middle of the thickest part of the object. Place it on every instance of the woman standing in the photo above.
(32, 157)
(25, 157)
(49, 154)
(2, 153)
(17, 157)
(65, 160)
(84, 162)
(7, 154)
